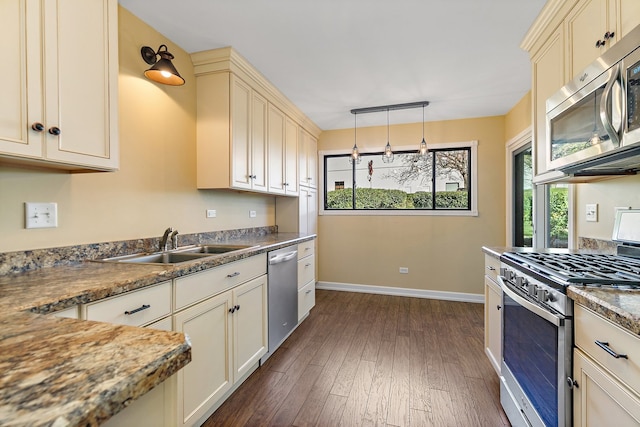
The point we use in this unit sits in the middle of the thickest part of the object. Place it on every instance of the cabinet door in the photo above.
(548, 77)
(312, 211)
(312, 161)
(21, 83)
(276, 120)
(258, 142)
(493, 323)
(291, 157)
(208, 377)
(586, 24)
(81, 52)
(240, 109)
(627, 15)
(599, 399)
(249, 325)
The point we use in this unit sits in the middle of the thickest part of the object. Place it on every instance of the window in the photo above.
(523, 198)
(442, 182)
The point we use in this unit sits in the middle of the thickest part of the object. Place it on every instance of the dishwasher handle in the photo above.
(283, 257)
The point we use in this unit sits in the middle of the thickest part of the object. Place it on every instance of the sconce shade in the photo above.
(162, 70)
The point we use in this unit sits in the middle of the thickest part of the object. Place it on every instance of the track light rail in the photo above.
(391, 107)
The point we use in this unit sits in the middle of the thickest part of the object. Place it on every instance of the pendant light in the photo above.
(355, 153)
(423, 145)
(387, 156)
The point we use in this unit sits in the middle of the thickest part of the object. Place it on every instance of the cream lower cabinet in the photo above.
(306, 278)
(228, 334)
(59, 91)
(492, 313)
(606, 387)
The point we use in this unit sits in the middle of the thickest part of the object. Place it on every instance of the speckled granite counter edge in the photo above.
(615, 314)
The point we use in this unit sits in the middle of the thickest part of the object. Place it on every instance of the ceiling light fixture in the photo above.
(162, 70)
(387, 156)
(422, 150)
(355, 153)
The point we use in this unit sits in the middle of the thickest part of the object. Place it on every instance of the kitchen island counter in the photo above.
(67, 372)
(621, 306)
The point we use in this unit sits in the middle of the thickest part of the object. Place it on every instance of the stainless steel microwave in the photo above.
(593, 122)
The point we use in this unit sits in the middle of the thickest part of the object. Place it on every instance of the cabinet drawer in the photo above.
(306, 299)
(305, 249)
(133, 308)
(591, 327)
(306, 270)
(198, 286)
(491, 267)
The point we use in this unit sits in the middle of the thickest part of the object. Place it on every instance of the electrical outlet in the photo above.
(252, 214)
(404, 270)
(591, 212)
(40, 215)
(211, 213)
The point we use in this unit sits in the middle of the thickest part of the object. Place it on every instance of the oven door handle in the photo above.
(556, 319)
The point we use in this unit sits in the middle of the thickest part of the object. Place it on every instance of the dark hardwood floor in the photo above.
(363, 359)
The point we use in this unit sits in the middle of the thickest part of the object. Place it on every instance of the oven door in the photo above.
(536, 360)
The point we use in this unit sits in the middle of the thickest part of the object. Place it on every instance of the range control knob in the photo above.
(543, 295)
(521, 281)
(532, 290)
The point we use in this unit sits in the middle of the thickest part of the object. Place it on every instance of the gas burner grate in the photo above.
(583, 269)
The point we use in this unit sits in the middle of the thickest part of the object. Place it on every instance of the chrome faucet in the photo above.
(174, 239)
(165, 238)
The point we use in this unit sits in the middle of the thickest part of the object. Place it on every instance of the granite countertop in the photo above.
(621, 306)
(67, 372)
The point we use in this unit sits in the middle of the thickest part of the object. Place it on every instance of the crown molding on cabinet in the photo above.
(551, 15)
(227, 59)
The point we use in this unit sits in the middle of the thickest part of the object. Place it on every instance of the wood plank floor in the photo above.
(374, 360)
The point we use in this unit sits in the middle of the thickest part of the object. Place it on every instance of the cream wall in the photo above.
(443, 253)
(518, 118)
(156, 184)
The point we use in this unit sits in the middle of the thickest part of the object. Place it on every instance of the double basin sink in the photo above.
(176, 256)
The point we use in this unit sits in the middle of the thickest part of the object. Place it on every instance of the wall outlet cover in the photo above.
(211, 213)
(252, 214)
(591, 212)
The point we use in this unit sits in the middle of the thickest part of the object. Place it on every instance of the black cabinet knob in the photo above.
(600, 43)
(37, 126)
(609, 35)
(54, 130)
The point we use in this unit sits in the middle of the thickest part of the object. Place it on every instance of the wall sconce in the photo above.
(162, 70)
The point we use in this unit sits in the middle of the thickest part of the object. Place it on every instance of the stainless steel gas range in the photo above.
(537, 321)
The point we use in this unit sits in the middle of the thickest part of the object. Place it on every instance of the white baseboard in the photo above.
(404, 292)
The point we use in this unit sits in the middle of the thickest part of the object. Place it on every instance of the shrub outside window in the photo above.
(442, 182)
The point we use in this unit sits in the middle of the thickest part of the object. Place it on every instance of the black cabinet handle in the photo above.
(237, 273)
(234, 309)
(498, 307)
(37, 126)
(238, 307)
(572, 383)
(54, 130)
(605, 346)
(130, 312)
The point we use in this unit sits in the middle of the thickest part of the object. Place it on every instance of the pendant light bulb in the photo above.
(387, 156)
(355, 153)
(422, 150)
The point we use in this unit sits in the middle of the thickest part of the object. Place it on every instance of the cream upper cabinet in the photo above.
(548, 77)
(291, 134)
(59, 108)
(247, 132)
(627, 16)
(308, 163)
(587, 33)
(275, 148)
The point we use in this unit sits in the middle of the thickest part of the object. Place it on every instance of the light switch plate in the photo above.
(591, 212)
(40, 215)
(252, 214)
(211, 213)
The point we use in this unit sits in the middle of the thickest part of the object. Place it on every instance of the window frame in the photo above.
(473, 178)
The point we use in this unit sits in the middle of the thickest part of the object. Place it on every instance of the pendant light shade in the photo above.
(387, 156)
(422, 150)
(162, 70)
(355, 153)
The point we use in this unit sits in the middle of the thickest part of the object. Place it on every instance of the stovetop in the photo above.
(579, 268)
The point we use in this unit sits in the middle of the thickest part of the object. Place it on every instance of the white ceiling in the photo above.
(330, 56)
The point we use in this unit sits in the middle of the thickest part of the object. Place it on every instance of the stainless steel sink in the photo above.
(157, 258)
(185, 254)
(214, 249)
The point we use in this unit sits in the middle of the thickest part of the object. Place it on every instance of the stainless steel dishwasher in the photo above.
(282, 296)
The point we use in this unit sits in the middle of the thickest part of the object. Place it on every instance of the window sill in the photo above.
(396, 212)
